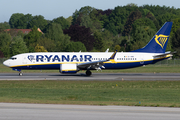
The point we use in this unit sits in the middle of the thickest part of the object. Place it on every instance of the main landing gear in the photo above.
(88, 73)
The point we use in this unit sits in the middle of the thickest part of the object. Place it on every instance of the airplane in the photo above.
(72, 62)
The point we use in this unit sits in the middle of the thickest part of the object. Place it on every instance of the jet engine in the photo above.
(68, 68)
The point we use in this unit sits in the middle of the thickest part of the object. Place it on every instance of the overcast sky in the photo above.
(51, 9)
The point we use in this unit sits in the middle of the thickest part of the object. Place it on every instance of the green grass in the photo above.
(132, 93)
(144, 69)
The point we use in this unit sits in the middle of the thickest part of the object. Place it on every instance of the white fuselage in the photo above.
(52, 60)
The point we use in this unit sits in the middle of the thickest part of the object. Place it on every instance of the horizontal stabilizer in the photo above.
(163, 55)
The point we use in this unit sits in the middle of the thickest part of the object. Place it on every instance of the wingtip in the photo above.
(113, 55)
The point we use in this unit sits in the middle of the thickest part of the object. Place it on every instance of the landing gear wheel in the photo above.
(88, 73)
(20, 74)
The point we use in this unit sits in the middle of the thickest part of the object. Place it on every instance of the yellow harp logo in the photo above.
(161, 39)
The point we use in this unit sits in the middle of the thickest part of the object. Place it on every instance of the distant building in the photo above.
(25, 31)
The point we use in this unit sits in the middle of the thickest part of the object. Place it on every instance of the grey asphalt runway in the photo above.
(17, 111)
(95, 76)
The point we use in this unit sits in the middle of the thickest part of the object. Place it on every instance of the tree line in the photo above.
(124, 28)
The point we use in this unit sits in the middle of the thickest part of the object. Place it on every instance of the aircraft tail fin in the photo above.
(159, 42)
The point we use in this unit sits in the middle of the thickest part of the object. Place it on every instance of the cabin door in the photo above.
(24, 59)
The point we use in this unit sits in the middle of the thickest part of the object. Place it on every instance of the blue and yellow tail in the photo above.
(159, 42)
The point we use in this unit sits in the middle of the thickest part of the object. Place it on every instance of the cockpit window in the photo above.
(13, 58)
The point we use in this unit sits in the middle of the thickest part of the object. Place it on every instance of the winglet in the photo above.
(107, 50)
(113, 55)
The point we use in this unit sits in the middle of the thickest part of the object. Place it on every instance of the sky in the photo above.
(51, 9)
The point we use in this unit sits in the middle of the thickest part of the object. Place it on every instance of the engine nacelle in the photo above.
(68, 68)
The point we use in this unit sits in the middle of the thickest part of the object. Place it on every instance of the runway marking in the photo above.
(95, 76)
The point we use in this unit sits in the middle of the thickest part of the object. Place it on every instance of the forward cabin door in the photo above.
(24, 59)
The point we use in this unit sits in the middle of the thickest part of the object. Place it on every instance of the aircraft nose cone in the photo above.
(6, 63)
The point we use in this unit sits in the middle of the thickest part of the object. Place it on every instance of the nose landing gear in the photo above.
(19, 70)
(20, 73)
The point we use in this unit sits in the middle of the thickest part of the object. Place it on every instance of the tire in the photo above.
(20, 74)
(88, 73)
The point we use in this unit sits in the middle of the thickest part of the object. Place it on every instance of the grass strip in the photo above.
(130, 93)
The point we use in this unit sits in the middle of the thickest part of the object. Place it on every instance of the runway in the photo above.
(18, 111)
(95, 76)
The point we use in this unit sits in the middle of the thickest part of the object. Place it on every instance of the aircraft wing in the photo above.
(163, 55)
(96, 64)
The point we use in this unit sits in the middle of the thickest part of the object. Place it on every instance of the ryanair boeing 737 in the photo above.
(72, 62)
